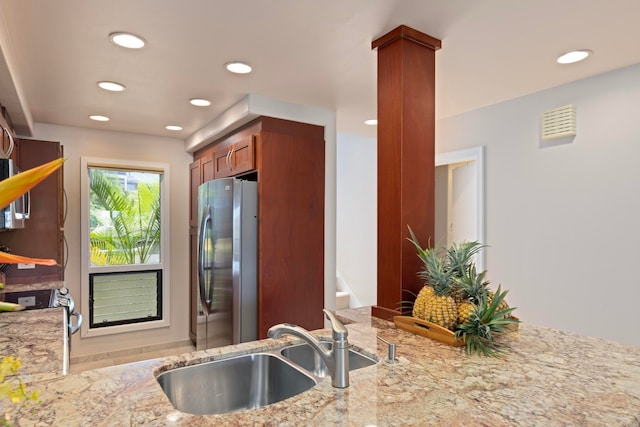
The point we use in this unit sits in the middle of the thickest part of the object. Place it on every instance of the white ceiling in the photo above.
(315, 52)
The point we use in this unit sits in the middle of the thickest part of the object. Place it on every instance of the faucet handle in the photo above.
(339, 330)
(391, 349)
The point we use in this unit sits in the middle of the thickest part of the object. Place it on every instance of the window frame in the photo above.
(92, 276)
(86, 268)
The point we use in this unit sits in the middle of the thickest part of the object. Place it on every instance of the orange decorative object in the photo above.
(6, 258)
(17, 185)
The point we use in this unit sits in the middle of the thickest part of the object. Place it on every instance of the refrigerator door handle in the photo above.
(206, 219)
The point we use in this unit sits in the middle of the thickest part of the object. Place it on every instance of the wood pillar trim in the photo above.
(406, 158)
(407, 33)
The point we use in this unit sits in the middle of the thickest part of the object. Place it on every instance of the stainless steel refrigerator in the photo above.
(227, 263)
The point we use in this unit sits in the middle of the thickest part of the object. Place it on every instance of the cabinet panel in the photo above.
(291, 224)
(195, 179)
(43, 235)
(208, 169)
(221, 164)
(193, 285)
(232, 159)
(242, 156)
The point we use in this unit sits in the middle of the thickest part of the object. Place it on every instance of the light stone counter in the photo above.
(549, 378)
(36, 337)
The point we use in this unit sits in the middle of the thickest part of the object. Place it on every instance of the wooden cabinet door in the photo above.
(195, 179)
(208, 170)
(236, 158)
(243, 156)
(221, 163)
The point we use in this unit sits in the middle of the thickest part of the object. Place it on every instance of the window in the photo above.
(124, 268)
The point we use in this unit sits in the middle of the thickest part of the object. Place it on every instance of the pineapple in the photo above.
(480, 330)
(421, 300)
(440, 308)
(471, 287)
(460, 257)
(503, 304)
(459, 261)
(465, 310)
(458, 298)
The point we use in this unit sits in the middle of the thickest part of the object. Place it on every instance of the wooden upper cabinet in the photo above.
(230, 159)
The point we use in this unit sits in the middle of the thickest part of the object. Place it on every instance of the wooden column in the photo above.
(406, 159)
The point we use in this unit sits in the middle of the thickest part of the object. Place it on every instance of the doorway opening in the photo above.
(459, 199)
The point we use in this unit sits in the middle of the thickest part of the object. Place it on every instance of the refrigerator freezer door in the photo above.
(215, 201)
(227, 263)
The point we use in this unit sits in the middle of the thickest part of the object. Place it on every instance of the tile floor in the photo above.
(102, 361)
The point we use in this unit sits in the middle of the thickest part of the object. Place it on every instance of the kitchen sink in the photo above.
(303, 355)
(244, 382)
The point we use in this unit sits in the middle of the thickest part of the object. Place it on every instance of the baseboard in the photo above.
(130, 351)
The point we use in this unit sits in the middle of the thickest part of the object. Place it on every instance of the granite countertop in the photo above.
(35, 336)
(549, 378)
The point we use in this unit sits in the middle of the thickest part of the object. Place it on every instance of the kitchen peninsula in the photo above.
(549, 378)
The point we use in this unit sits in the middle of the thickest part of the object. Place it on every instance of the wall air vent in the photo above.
(559, 122)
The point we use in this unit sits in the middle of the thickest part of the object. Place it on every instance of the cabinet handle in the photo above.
(228, 160)
(231, 158)
(6, 154)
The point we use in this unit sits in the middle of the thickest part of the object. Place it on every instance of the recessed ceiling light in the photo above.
(199, 102)
(128, 40)
(238, 67)
(574, 56)
(173, 127)
(371, 122)
(111, 86)
(99, 118)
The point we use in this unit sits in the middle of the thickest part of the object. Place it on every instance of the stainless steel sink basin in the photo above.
(304, 356)
(244, 382)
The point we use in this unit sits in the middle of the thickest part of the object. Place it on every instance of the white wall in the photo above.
(441, 201)
(79, 142)
(356, 221)
(561, 218)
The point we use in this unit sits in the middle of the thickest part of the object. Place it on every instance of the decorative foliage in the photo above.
(132, 231)
(12, 387)
(485, 321)
(480, 314)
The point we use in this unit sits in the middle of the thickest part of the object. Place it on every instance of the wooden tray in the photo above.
(433, 331)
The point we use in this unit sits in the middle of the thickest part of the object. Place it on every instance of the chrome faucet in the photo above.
(336, 359)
